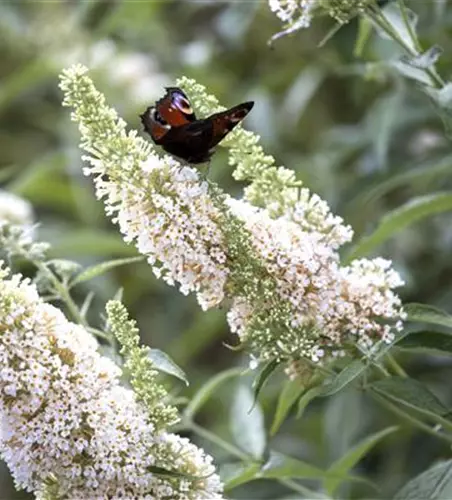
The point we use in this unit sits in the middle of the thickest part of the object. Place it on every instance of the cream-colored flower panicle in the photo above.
(163, 208)
(68, 426)
(274, 254)
(327, 305)
(298, 14)
(317, 306)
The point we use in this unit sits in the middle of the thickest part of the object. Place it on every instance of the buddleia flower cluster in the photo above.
(17, 230)
(298, 14)
(271, 257)
(69, 429)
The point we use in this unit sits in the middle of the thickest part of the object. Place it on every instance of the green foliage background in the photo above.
(355, 131)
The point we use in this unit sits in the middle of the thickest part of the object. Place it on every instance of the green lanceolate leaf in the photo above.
(343, 466)
(433, 484)
(425, 60)
(341, 380)
(421, 175)
(363, 36)
(165, 364)
(280, 466)
(442, 100)
(234, 475)
(435, 343)
(291, 392)
(416, 209)
(423, 313)
(262, 378)
(206, 391)
(247, 426)
(98, 269)
(394, 17)
(410, 393)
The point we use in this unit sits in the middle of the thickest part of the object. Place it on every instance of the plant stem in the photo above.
(409, 418)
(220, 442)
(233, 450)
(63, 293)
(408, 25)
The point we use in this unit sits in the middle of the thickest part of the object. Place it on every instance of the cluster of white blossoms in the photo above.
(279, 265)
(166, 210)
(66, 422)
(15, 210)
(329, 304)
(163, 208)
(296, 12)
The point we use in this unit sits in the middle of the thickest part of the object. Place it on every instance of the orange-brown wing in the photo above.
(155, 128)
(225, 121)
(174, 108)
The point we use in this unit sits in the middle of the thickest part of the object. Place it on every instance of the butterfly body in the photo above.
(173, 125)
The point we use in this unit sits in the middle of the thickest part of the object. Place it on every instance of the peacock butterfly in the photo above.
(172, 124)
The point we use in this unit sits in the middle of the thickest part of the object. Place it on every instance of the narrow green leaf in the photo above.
(423, 313)
(363, 36)
(435, 343)
(416, 209)
(382, 121)
(442, 100)
(98, 269)
(262, 378)
(86, 304)
(307, 397)
(163, 363)
(425, 342)
(433, 484)
(418, 176)
(344, 465)
(411, 393)
(341, 380)
(234, 475)
(288, 396)
(412, 72)
(247, 427)
(425, 60)
(394, 17)
(280, 466)
(204, 393)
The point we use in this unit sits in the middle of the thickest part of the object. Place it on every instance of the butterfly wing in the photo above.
(171, 111)
(225, 121)
(195, 141)
(172, 124)
(174, 108)
(191, 141)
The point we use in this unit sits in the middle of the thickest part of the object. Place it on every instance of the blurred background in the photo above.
(353, 129)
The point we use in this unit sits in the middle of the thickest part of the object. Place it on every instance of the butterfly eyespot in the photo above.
(183, 105)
